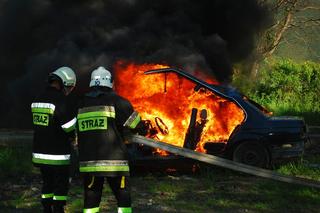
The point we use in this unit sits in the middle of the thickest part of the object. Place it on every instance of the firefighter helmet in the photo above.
(101, 77)
(66, 75)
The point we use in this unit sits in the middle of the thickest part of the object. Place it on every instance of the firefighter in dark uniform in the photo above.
(103, 118)
(53, 127)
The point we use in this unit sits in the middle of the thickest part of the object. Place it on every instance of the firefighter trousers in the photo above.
(54, 187)
(93, 186)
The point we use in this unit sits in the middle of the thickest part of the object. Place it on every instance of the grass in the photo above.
(212, 189)
(227, 192)
(15, 161)
(291, 107)
(286, 109)
(307, 167)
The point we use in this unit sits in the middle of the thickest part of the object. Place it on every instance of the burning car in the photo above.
(185, 111)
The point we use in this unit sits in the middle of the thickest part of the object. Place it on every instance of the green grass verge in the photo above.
(307, 167)
(213, 189)
(286, 109)
(15, 161)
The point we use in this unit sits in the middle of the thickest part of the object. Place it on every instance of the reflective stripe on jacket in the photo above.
(53, 124)
(103, 117)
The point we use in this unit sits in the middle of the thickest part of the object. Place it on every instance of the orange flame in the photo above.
(168, 99)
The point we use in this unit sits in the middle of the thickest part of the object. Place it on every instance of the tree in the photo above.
(295, 17)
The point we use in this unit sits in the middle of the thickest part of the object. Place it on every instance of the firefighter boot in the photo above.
(47, 205)
(58, 208)
(47, 209)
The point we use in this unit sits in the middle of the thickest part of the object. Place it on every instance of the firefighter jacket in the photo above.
(103, 117)
(53, 124)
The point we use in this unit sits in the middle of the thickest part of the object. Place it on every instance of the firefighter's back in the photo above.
(49, 137)
(101, 116)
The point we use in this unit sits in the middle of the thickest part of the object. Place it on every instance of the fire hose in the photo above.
(213, 160)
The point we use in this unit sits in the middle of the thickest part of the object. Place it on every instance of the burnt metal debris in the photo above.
(195, 129)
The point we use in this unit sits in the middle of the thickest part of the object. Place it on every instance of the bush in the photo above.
(289, 88)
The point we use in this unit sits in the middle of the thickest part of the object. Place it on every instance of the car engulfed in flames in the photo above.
(201, 115)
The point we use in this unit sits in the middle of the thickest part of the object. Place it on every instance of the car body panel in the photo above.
(281, 136)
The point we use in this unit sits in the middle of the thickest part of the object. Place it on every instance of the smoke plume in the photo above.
(38, 36)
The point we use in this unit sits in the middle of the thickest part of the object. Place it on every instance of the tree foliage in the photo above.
(286, 87)
(294, 16)
(295, 25)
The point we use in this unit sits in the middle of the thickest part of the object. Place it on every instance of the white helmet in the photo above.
(67, 76)
(101, 77)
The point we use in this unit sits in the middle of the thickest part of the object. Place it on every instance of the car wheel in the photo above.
(252, 153)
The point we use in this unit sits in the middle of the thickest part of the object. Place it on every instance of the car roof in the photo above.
(227, 92)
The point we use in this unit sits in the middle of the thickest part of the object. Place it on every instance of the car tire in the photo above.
(252, 153)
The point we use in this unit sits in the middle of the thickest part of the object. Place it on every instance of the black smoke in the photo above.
(38, 36)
